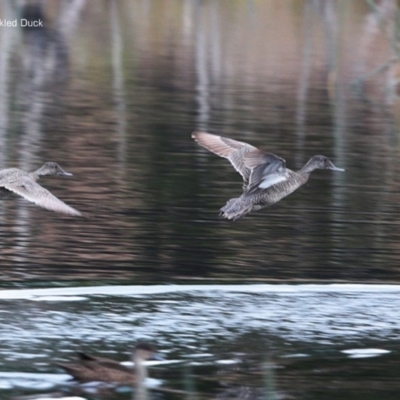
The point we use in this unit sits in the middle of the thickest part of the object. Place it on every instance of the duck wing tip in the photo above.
(37, 194)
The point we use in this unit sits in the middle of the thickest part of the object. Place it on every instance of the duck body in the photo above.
(22, 183)
(266, 180)
(261, 198)
(91, 368)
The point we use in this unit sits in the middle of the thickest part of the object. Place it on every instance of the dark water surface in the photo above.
(112, 90)
(113, 93)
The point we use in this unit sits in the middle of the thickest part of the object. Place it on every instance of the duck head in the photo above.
(51, 168)
(320, 162)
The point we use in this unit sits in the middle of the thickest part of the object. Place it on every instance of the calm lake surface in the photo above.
(112, 91)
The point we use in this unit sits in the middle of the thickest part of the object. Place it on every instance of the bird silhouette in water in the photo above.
(266, 180)
(15, 180)
(91, 368)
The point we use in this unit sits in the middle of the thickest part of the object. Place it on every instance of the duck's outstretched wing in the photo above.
(232, 150)
(32, 191)
(255, 166)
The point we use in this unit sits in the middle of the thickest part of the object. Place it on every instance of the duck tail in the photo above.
(236, 208)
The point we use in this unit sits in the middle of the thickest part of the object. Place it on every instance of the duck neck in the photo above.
(308, 167)
(38, 173)
(141, 375)
(35, 175)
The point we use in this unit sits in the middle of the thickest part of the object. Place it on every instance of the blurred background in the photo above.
(112, 90)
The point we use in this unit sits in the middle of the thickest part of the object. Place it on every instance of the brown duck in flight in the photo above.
(24, 184)
(266, 178)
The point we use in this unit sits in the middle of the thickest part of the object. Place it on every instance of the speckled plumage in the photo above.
(266, 180)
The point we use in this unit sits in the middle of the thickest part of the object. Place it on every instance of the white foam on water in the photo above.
(134, 290)
(319, 314)
(296, 355)
(227, 362)
(59, 298)
(365, 353)
(37, 381)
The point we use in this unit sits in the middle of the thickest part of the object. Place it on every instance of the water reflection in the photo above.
(114, 95)
(121, 122)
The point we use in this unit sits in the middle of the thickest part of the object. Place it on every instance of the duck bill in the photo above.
(64, 173)
(334, 168)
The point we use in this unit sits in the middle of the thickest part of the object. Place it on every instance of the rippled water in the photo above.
(210, 330)
(113, 93)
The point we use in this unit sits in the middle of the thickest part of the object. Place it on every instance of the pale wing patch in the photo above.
(271, 166)
(272, 179)
(37, 194)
